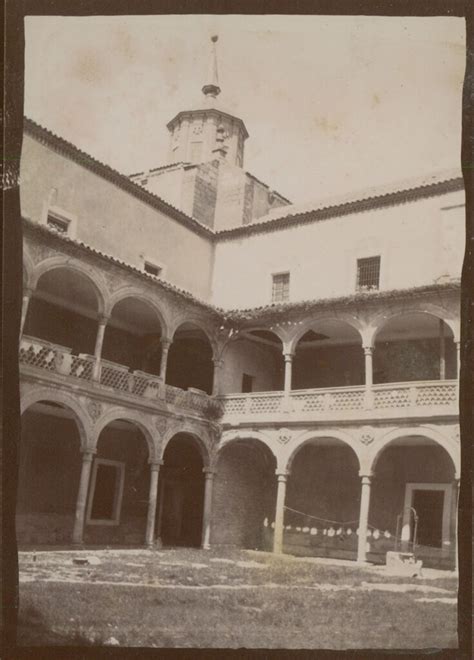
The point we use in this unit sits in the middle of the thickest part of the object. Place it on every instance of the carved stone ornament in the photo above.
(161, 424)
(284, 436)
(367, 435)
(94, 408)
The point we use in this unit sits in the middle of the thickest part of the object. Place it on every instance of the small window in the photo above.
(58, 224)
(152, 269)
(106, 492)
(368, 273)
(247, 383)
(281, 287)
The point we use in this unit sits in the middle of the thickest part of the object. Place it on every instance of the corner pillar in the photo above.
(364, 517)
(78, 530)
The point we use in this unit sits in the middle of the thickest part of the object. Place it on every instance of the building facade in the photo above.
(203, 363)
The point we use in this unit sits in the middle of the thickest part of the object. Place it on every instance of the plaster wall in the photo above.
(257, 360)
(111, 220)
(419, 244)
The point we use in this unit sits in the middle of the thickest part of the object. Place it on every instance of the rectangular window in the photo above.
(152, 269)
(106, 492)
(247, 383)
(368, 273)
(281, 287)
(58, 224)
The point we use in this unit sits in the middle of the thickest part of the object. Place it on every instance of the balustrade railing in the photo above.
(57, 359)
(391, 396)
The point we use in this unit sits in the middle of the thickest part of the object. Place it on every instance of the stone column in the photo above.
(165, 347)
(27, 294)
(288, 372)
(152, 497)
(363, 517)
(442, 351)
(369, 379)
(81, 501)
(207, 512)
(218, 364)
(457, 484)
(279, 512)
(99, 340)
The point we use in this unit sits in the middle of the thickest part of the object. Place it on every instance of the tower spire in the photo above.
(211, 89)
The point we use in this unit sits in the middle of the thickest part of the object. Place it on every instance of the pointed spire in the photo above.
(211, 89)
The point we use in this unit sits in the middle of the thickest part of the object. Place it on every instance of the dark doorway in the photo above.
(181, 493)
(428, 505)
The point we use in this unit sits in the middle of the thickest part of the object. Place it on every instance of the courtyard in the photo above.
(228, 599)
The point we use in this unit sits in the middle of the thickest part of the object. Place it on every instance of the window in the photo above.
(152, 269)
(57, 224)
(106, 492)
(368, 273)
(281, 287)
(247, 383)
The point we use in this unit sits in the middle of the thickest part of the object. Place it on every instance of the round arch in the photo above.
(228, 437)
(433, 434)
(134, 418)
(132, 292)
(198, 323)
(307, 437)
(378, 322)
(196, 434)
(65, 399)
(310, 323)
(55, 263)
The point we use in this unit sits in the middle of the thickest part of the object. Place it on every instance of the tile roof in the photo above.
(279, 218)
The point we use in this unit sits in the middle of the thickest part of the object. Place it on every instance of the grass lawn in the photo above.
(194, 598)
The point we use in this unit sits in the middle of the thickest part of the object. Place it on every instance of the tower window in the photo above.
(57, 224)
(281, 287)
(368, 273)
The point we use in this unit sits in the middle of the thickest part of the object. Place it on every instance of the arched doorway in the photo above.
(190, 359)
(244, 495)
(118, 492)
(414, 471)
(328, 355)
(181, 493)
(322, 500)
(414, 346)
(49, 473)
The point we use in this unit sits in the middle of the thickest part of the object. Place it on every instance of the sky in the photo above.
(332, 104)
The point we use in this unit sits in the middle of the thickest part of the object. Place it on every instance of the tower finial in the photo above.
(211, 89)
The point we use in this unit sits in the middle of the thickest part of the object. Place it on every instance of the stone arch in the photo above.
(308, 436)
(231, 436)
(134, 417)
(200, 437)
(302, 329)
(56, 396)
(54, 263)
(143, 296)
(431, 433)
(380, 320)
(199, 323)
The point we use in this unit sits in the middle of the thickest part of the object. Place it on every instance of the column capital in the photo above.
(218, 362)
(28, 291)
(209, 472)
(155, 465)
(288, 356)
(366, 477)
(88, 454)
(368, 350)
(165, 342)
(282, 475)
(103, 319)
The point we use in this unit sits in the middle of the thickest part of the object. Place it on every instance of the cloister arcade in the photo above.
(311, 458)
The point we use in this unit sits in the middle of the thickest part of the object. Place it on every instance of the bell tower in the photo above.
(207, 132)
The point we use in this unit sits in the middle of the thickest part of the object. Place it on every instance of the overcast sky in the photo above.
(332, 104)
